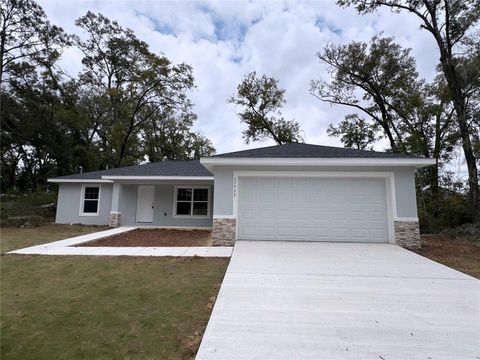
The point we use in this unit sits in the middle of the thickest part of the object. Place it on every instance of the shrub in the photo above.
(27, 209)
(466, 231)
(447, 209)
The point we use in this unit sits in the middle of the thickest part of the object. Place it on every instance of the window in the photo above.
(191, 202)
(90, 200)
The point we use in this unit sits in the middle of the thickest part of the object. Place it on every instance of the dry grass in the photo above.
(458, 253)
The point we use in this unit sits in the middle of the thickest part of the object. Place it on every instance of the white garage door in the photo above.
(324, 209)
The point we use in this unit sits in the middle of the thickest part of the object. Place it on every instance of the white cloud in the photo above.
(225, 40)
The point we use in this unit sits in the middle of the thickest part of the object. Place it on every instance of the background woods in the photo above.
(128, 105)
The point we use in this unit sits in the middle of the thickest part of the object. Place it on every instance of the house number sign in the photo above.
(234, 186)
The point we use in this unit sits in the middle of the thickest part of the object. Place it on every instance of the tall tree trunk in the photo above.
(462, 118)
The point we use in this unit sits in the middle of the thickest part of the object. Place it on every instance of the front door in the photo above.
(145, 199)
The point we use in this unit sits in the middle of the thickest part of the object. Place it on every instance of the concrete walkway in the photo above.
(300, 300)
(66, 247)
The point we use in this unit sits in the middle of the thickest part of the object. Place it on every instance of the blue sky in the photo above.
(223, 41)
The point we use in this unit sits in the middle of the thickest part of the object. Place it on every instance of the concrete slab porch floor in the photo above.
(301, 300)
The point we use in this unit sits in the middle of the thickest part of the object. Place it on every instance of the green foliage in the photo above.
(128, 104)
(446, 208)
(354, 132)
(448, 18)
(443, 210)
(29, 209)
(467, 231)
(453, 26)
(380, 80)
(26, 34)
(261, 99)
(135, 96)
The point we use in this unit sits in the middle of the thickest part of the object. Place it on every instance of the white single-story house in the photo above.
(296, 192)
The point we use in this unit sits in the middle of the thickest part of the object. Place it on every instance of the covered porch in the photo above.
(163, 202)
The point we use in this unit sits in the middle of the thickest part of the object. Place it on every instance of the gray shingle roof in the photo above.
(301, 150)
(163, 168)
(194, 168)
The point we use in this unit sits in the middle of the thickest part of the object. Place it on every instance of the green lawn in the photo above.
(76, 307)
(12, 238)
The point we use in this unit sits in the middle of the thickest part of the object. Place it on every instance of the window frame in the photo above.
(191, 216)
(82, 199)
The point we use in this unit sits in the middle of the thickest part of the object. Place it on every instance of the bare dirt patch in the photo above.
(458, 253)
(155, 238)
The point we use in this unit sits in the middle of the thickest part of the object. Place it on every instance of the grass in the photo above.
(456, 252)
(77, 307)
(12, 238)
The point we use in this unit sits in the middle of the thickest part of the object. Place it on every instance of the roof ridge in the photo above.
(298, 150)
(161, 168)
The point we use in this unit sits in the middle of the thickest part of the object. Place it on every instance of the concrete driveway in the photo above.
(301, 300)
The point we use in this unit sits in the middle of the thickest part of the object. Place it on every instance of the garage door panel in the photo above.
(377, 235)
(360, 233)
(312, 209)
(267, 214)
(340, 215)
(246, 231)
(284, 214)
(250, 213)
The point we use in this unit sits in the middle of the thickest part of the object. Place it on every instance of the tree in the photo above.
(128, 105)
(379, 79)
(25, 33)
(41, 130)
(261, 100)
(173, 139)
(383, 72)
(449, 23)
(30, 83)
(355, 132)
(134, 87)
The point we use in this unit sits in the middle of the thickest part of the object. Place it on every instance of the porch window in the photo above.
(191, 202)
(90, 200)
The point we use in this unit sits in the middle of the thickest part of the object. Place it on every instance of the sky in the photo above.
(225, 40)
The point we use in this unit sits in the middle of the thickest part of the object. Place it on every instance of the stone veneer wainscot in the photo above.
(407, 234)
(114, 219)
(224, 231)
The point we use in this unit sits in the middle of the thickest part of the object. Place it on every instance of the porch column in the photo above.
(115, 214)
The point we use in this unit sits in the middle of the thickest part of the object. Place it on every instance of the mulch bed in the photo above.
(155, 238)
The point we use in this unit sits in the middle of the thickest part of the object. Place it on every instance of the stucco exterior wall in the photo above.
(406, 204)
(223, 203)
(68, 205)
(405, 192)
(163, 207)
(69, 197)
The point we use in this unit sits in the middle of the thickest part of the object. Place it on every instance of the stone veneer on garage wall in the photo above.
(407, 234)
(223, 232)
